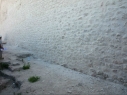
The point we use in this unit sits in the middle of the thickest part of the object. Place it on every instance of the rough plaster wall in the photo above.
(89, 36)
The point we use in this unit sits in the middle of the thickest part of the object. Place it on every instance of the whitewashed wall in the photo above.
(89, 36)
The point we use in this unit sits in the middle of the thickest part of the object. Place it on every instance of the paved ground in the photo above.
(55, 79)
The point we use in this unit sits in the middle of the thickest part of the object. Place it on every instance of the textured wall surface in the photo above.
(89, 36)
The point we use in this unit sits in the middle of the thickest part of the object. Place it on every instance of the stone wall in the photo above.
(89, 36)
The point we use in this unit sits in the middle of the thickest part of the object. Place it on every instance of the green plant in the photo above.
(19, 93)
(3, 65)
(33, 79)
(22, 60)
(13, 93)
(25, 67)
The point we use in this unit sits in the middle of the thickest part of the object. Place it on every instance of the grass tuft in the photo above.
(33, 79)
(3, 66)
(17, 93)
(25, 67)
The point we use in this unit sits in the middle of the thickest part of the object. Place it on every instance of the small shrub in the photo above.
(4, 66)
(33, 79)
(25, 67)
